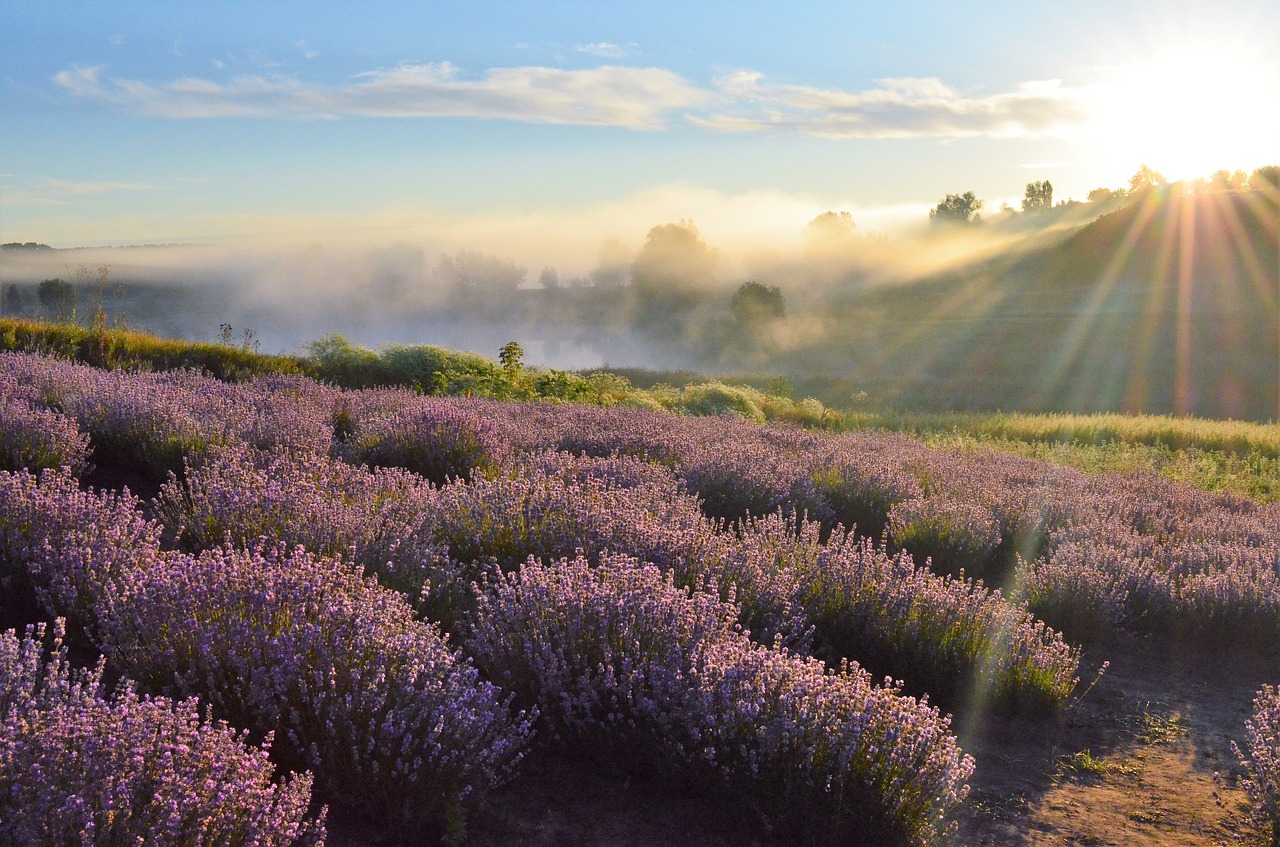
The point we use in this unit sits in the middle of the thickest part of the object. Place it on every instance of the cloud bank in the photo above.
(637, 98)
(634, 98)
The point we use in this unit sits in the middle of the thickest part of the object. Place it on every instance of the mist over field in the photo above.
(453, 282)
(1162, 302)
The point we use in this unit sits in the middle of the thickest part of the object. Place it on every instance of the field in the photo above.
(540, 622)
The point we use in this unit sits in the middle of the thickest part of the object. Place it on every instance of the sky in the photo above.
(509, 126)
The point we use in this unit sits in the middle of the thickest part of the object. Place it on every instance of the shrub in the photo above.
(440, 439)
(1261, 761)
(238, 495)
(826, 757)
(715, 398)
(604, 652)
(949, 637)
(959, 537)
(863, 477)
(34, 439)
(67, 551)
(619, 655)
(77, 766)
(741, 476)
(371, 700)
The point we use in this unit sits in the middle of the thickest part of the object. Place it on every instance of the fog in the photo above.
(645, 283)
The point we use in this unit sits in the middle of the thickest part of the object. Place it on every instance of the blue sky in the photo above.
(130, 122)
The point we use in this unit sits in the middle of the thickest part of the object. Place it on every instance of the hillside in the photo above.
(1168, 305)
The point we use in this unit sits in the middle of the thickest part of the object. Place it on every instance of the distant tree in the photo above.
(829, 236)
(831, 227)
(11, 303)
(754, 304)
(549, 279)
(1144, 180)
(1104, 195)
(957, 210)
(59, 297)
(671, 274)
(1266, 178)
(615, 265)
(1038, 196)
(476, 279)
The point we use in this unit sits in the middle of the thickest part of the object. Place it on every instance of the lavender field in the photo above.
(237, 612)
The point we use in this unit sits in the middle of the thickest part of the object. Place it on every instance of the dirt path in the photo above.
(1144, 759)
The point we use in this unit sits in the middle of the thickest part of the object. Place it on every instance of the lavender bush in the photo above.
(956, 536)
(604, 652)
(824, 756)
(619, 654)
(67, 551)
(239, 495)
(352, 686)
(1261, 761)
(34, 439)
(951, 638)
(441, 439)
(80, 767)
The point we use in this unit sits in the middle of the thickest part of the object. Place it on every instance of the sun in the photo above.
(1191, 109)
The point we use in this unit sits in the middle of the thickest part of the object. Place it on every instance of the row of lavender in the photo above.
(351, 686)
(1097, 552)
(356, 688)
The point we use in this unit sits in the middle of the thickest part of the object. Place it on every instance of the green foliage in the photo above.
(714, 398)
(117, 349)
(754, 305)
(957, 210)
(1229, 456)
(58, 297)
(1039, 196)
(511, 357)
(1145, 179)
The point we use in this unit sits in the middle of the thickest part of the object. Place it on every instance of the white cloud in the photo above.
(638, 98)
(307, 52)
(896, 108)
(609, 95)
(608, 49)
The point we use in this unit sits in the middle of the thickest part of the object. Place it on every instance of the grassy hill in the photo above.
(1168, 305)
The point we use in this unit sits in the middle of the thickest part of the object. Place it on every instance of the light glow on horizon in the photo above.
(1194, 109)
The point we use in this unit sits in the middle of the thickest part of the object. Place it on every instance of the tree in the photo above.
(59, 297)
(1144, 180)
(671, 274)
(615, 265)
(1039, 196)
(12, 301)
(1266, 178)
(1105, 195)
(549, 279)
(478, 280)
(511, 357)
(957, 210)
(754, 305)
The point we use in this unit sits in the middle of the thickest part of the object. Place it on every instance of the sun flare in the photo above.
(1192, 110)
